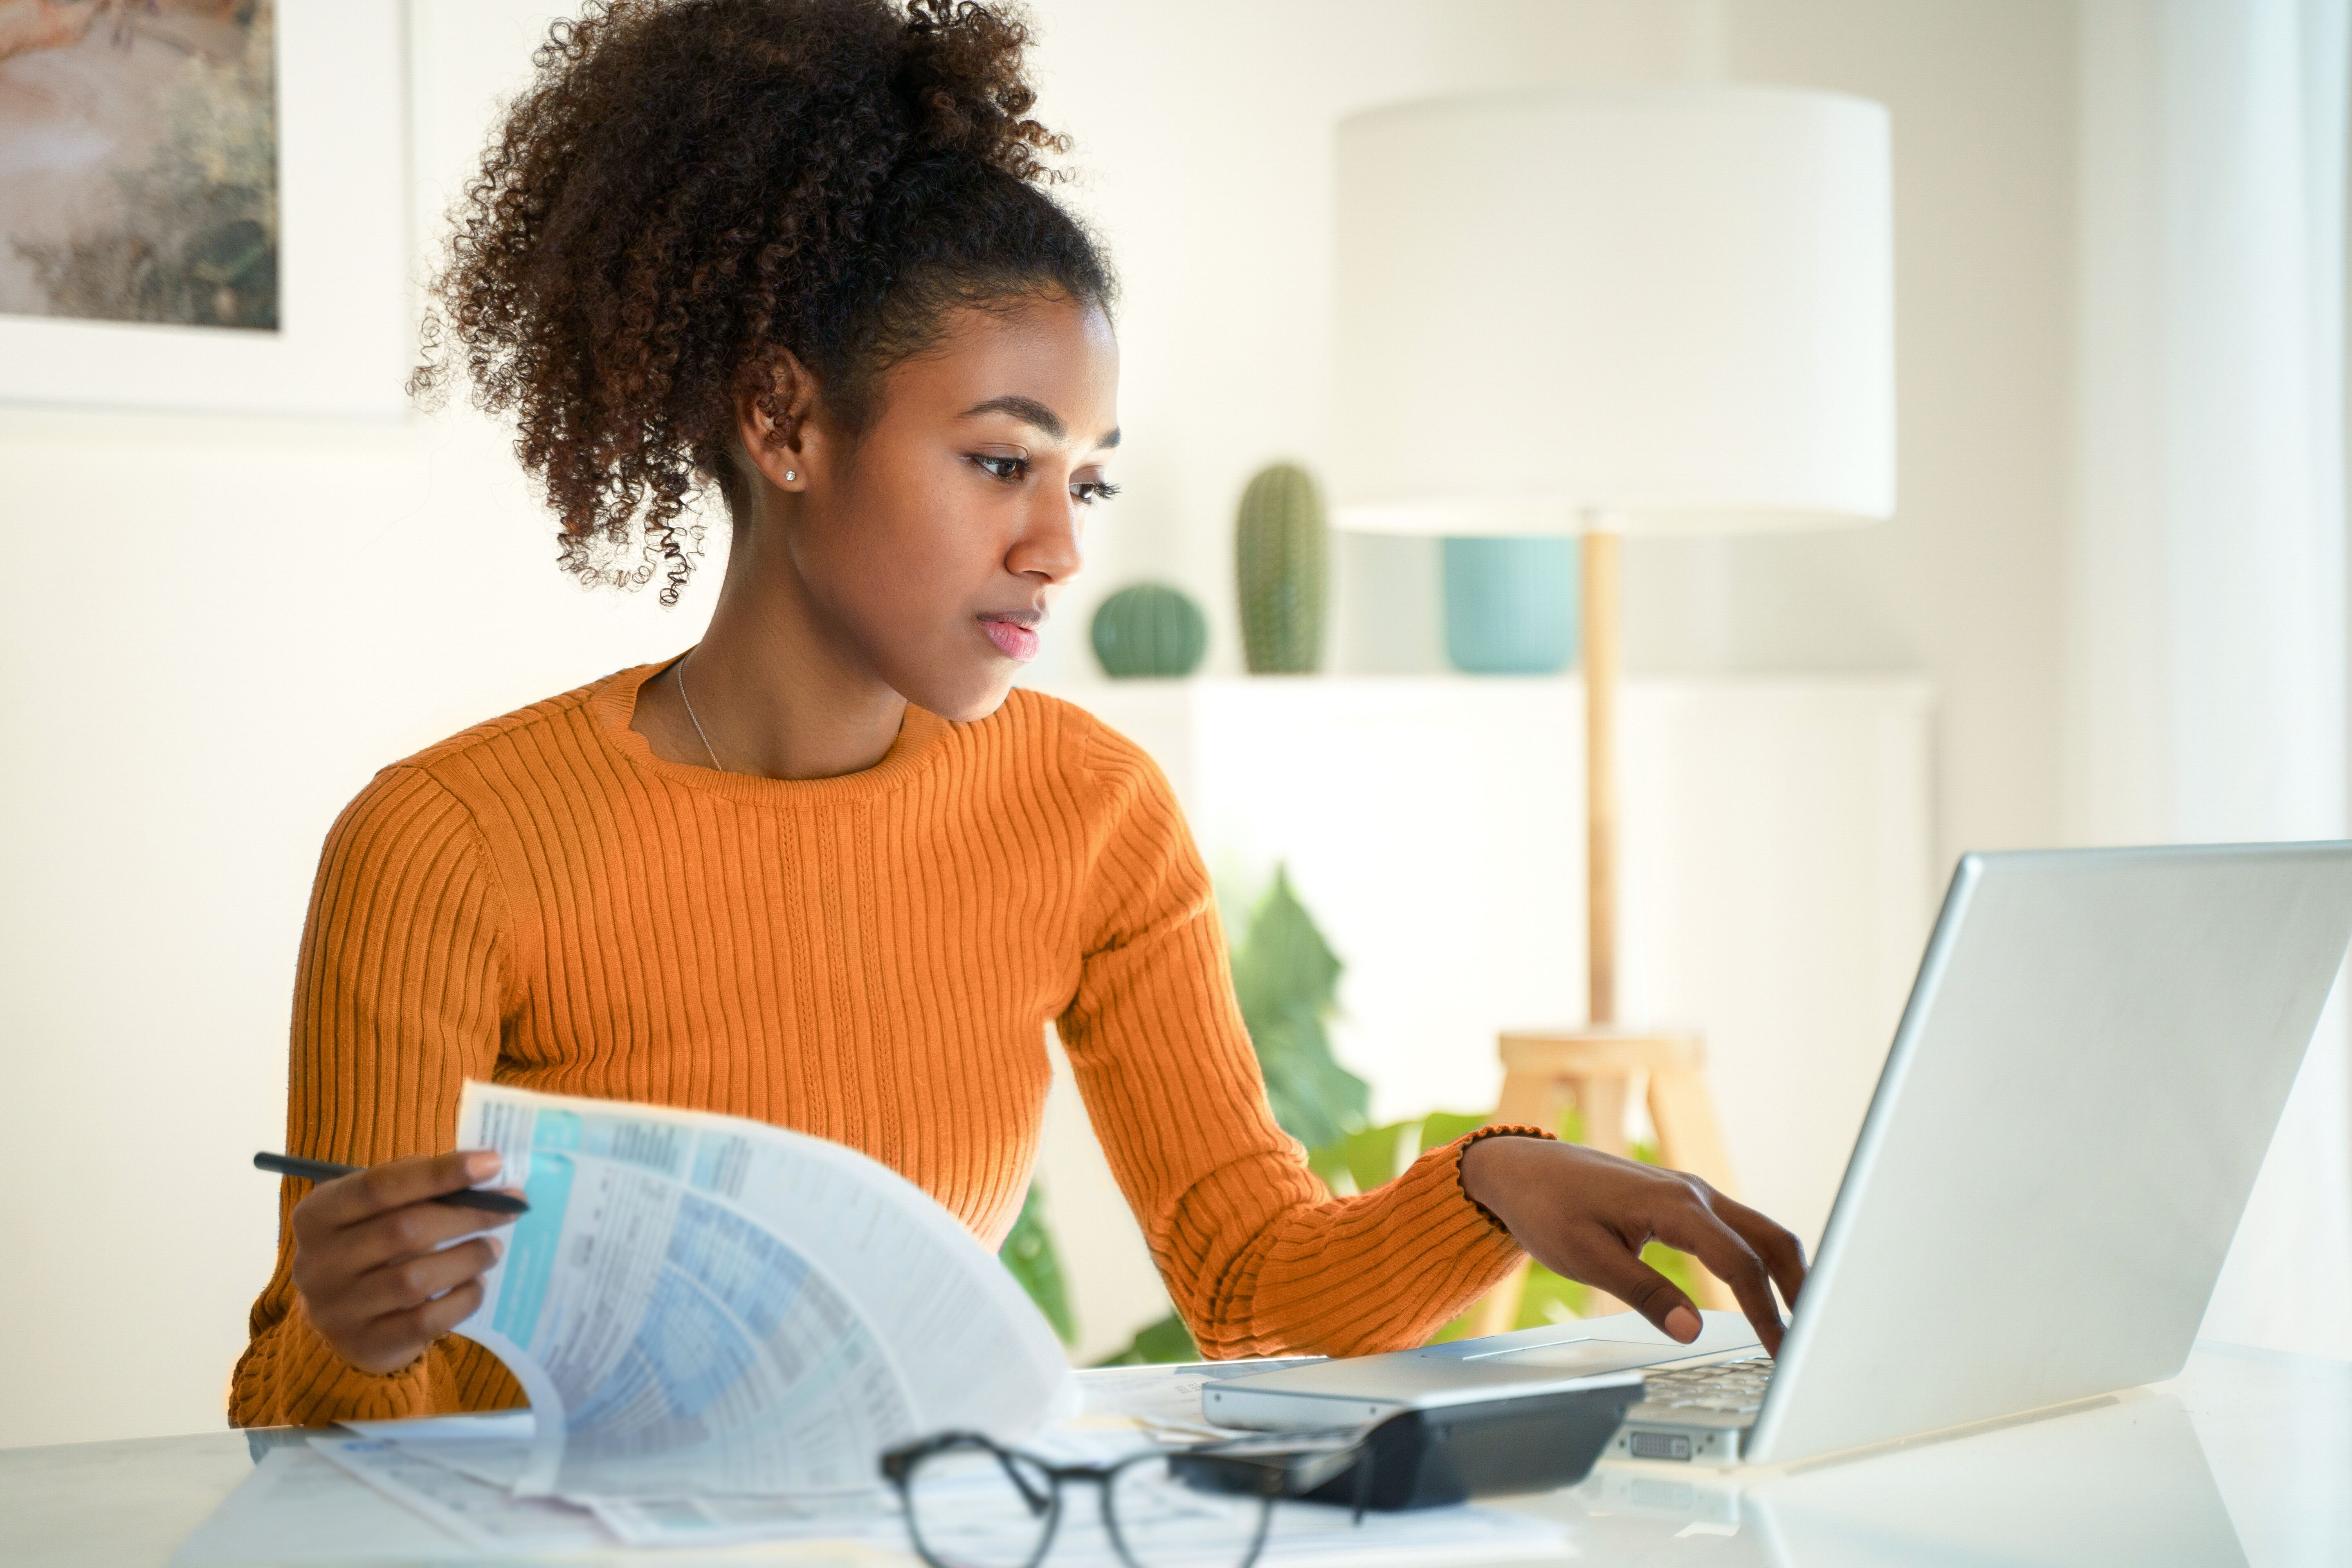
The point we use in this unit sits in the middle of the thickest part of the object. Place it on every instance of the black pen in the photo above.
(325, 1170)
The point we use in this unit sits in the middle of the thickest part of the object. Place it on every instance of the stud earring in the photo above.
(790, 476)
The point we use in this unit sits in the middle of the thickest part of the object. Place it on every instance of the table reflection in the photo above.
(2119, 1480)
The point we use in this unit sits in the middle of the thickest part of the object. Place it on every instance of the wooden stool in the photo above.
(1594, 1068)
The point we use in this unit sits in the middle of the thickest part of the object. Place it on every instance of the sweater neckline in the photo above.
(614, 702)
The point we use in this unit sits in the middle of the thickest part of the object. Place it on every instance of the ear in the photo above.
(775, 423)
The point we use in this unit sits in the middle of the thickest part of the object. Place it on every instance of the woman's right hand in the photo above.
(372, 1260)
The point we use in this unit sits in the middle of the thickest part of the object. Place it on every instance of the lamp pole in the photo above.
(1602, 541)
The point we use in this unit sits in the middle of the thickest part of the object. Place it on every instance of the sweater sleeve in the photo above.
(1258, 1255)
(397, 1000)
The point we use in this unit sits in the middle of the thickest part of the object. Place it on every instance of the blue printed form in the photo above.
(702, 1305)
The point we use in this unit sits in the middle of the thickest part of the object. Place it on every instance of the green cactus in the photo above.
(1281, 548)
(1149, 629)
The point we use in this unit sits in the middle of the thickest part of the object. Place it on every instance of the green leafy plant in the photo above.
(1165, 1341)
(1287, 979)
(1028, 1253)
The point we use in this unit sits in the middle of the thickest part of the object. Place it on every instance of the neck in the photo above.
(770, 684)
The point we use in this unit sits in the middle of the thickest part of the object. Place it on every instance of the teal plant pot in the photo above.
(1511, 605)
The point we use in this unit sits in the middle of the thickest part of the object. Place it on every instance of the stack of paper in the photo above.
(348, 1500)
(700, 1304)
(721, 1326)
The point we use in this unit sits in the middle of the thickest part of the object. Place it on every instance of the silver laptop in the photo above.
(2094, 1056)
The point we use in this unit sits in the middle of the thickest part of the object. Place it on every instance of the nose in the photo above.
(1049, 547)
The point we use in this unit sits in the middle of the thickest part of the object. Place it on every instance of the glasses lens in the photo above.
(972, 1507)
(1161, 1523)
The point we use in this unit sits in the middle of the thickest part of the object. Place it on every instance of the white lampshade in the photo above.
(1671, 304)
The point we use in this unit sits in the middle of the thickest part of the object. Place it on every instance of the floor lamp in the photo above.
(1601, 311)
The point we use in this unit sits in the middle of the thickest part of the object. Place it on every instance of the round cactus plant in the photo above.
(1149, 629)
(1281, 546)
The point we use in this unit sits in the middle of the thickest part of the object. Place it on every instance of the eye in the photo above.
(1086, 492)
(1009, 469)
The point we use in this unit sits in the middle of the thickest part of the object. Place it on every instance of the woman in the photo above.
(827, 868)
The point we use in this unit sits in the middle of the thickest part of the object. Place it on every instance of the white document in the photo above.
(458, 1471)
(299, 1506)
(874, 1518)
(1165, 1400)
(1177, 1525)
(475, 1511)
(698, 1305)
(483, 1426)
(490, 1447)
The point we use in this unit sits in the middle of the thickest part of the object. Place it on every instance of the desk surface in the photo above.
(2246, 1457)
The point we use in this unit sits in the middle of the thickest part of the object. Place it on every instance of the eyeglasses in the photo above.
(971, 1504)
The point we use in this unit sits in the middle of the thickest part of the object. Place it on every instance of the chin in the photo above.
(965, 701)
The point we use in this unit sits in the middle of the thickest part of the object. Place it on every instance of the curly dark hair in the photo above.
(690, 188)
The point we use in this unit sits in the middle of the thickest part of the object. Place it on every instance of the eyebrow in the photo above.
(1029, 411)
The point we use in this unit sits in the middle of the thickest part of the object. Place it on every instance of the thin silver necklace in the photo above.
(689, 713)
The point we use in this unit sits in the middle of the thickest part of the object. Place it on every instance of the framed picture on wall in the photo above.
(203, 206)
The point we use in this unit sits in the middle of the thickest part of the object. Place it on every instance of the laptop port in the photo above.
(1657, 1445)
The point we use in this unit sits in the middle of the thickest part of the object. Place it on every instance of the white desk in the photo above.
(2244, 1458)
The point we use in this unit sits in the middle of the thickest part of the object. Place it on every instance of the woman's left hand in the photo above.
(1587, 1215)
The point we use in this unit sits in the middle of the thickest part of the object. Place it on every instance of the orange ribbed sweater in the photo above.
(872, 959)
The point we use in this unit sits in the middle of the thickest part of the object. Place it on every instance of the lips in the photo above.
(1016, 639)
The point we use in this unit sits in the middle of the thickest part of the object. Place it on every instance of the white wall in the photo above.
(1203, 130)
(2208, 611)
(216, 632)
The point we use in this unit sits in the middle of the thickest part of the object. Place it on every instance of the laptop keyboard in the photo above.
(1730, 1387)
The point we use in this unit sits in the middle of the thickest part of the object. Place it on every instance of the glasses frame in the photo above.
(898, 1465)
